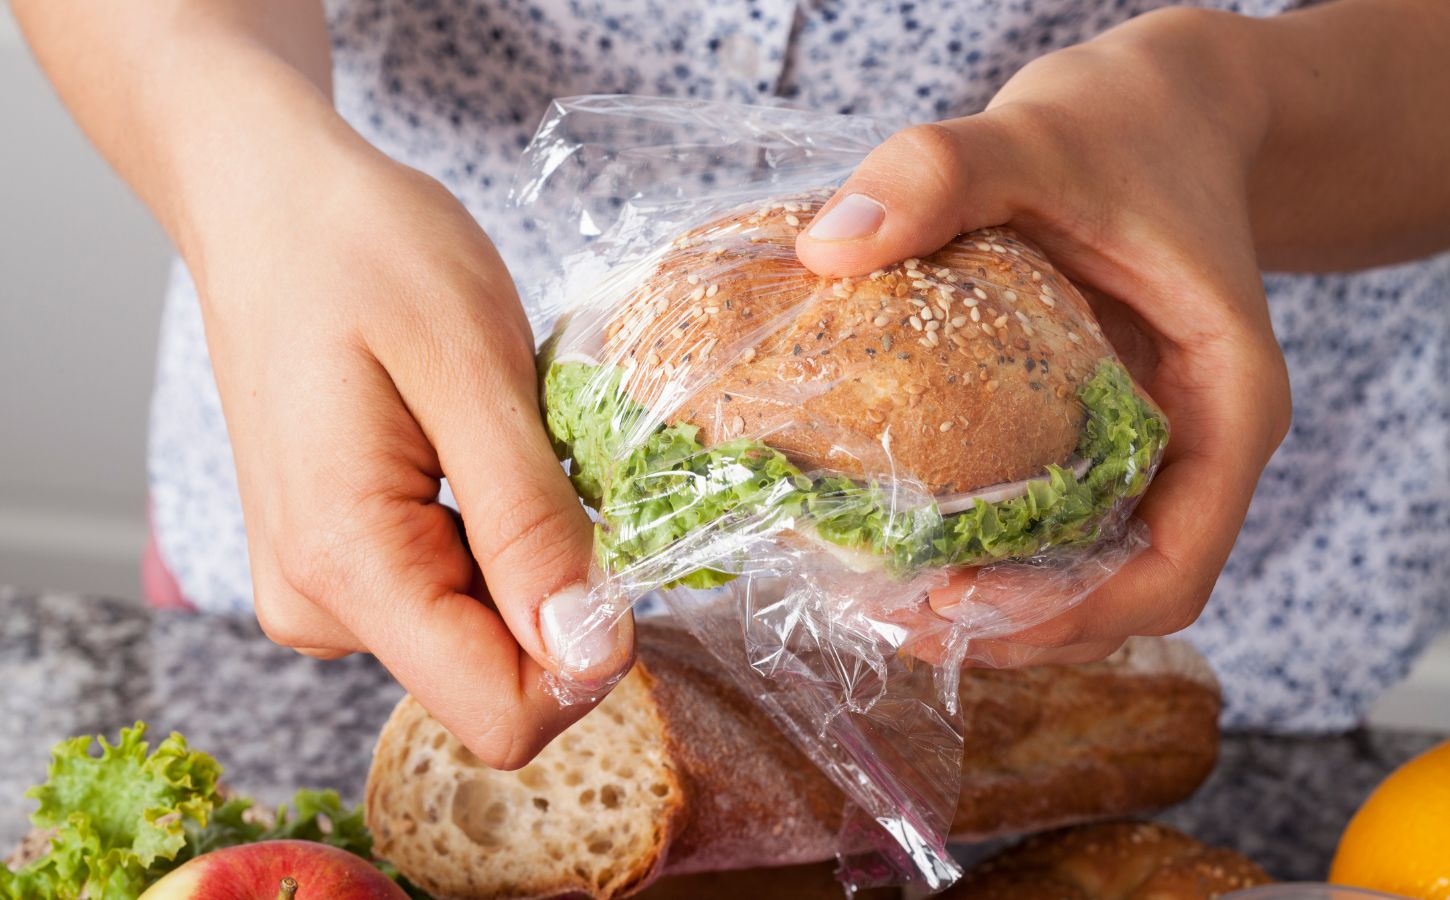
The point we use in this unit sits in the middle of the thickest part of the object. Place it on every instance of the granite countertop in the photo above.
(279, 721)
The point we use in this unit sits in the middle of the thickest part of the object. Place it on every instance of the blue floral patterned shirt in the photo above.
(1342, 573)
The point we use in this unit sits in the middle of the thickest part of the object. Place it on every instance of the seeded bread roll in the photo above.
(972, 357)
(677, 772)
(1109, 861)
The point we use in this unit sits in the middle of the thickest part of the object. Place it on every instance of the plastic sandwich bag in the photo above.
(791, 462)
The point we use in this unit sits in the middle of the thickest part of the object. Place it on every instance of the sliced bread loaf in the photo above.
(677, 771)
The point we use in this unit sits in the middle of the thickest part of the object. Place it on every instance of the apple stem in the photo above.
(289, 888)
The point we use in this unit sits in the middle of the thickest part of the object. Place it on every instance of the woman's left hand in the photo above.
(1127, 159)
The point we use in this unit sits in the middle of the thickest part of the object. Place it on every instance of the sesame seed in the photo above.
(915, 389)
(944, 427)
(711, 310)
(933, 325)
(697, 294)
(983, 246)
(915, 323)
(923, 341)
(959, 321)
(941, 273)
(999, 321)
(653, 358)
(926, 314)
(1010, 296)
(748, 355)
(1022, 316)
(692, 278)
(976, 314)
(970, 302)
(886, 342)
(1036, 275)
(957, 341)
(983, 374)
(987, 330)
(999, 248)
(1047, 301)
(1047, 290)
(1028, 330)
(917, 301)
(737, 424)
(793, 221)
(669, 369)
(792, 207)
(992, 385)
(921, 285)
(979, 293)
(931, 338)
(1074, 337)
(880, 320)
(712, 290)
(912, 263)
(877, 274)
(902, 289)
(695, 310)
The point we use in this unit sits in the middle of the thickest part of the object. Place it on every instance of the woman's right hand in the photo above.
(367, 340)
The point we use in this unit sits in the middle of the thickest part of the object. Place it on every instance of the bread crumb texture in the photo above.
(589, 816)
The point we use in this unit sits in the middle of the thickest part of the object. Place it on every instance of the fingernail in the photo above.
(855, 217)
(574, 642)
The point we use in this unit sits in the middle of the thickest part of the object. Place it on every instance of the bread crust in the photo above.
(730, 332)
(1106, 861)
(1044, 747)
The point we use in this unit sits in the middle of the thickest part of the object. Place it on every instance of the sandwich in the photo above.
(955, 410)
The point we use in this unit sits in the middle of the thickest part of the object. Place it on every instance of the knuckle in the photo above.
(1174, 618)
(276, 615)
(530, 527)
(507, 744)
(929, 145)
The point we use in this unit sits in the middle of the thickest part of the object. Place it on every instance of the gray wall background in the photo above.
(82, 268)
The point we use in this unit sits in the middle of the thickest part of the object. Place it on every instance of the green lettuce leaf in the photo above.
(670, 488)
(126, 817)
(120, 816)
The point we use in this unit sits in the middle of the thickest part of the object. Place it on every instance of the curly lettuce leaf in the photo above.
(120, 816)
(125, 817)
(670, 486)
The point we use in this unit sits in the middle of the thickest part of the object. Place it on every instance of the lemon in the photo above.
(1399, 841)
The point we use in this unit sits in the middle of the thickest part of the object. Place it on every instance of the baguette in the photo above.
(678, 771)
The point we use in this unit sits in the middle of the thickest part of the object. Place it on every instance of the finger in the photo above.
(1003, 654)
(290, 619)
(443, 643)
(379, 554)
(321, 653)
(474, 394)
(911, 195)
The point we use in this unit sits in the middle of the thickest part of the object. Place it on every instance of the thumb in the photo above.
(910, 196)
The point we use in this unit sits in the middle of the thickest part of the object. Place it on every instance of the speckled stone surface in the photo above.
(279, 721)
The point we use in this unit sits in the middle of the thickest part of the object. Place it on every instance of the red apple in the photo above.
(276, 870)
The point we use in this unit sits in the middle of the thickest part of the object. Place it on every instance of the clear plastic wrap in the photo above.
(792, 462)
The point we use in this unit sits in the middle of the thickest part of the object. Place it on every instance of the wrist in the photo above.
(242, 152)
(1214, 62)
